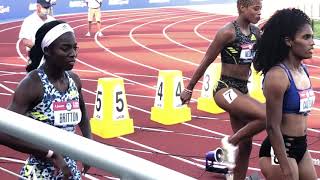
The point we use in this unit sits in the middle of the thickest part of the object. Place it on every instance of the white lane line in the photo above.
(149, 129)
(12, 72)
(164, 32)
(6, 88)
(162, 152)
(11, 82)
(94, 80)
(10, 64)
(90, 104)
(12, 160)
(15, 161)
(135, 75)
(142, 96)
(6, 29)
(89, 177)
(112, 178)
(209, 40)
(120, 56)
(23, 162)
(109, 19)
(7, 43)
(19, 52)
(84, 70)
(90, 80)
(12, 173)
(213, 132)
(187, 61)
(195, 30)
(314, 130)
(65, 17)
(111, 74)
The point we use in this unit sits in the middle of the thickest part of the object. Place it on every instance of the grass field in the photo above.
(316, 29)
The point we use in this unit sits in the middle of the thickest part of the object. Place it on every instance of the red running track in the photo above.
(136, 45)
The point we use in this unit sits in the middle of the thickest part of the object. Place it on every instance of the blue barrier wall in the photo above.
(18, 9)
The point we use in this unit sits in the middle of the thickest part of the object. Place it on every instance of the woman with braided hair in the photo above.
(235, 41)
(286, 41)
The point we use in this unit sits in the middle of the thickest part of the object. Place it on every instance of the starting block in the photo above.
(168, 108)
(210, 81)
(111, 116)
(215, 164)
(214, 160)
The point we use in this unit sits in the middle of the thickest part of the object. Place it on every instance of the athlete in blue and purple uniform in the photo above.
(286, 41)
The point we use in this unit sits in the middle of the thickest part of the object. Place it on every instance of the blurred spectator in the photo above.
(53, 2)
(33, 22)
(94, 12)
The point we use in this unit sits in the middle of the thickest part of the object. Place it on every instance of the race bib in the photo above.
(66, 113)
(307, 99)
(247, 54)
(230, 96)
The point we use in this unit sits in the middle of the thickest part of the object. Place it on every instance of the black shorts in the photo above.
(231, 82)
(295, 146)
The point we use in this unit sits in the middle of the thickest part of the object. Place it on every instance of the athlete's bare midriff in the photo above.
(236, 71)
(294, 124)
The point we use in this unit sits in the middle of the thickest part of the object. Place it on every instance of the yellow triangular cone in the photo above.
(255, 86)
(167, 107)
(111, 116)
(210, 81)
